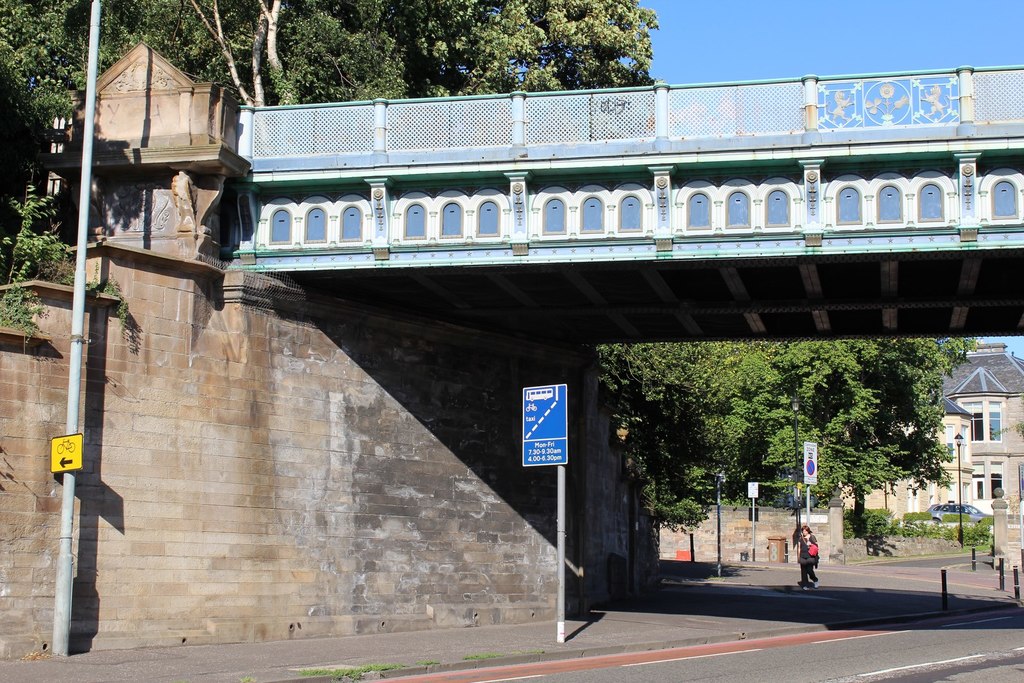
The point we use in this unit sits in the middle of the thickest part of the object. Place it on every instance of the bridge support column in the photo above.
(968, 182)
(965, 81)
(518, 121)
(660, 115)
(810, 108)
(520, 202)
(380, 126)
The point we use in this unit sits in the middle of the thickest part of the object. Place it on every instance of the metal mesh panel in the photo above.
(481, 123)
(557, 118)
(997, 95)
(418, 125)
(622, 116)
(736, 110)
(306, 132)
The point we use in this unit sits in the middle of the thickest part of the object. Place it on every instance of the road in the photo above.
(986, 647)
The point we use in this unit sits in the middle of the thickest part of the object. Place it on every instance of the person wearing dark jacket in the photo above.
(808, 561)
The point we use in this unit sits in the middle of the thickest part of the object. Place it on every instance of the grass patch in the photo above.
(483, 655)
(428, 662)
(354, 673)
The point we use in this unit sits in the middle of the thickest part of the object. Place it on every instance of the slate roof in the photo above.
(952, 408)
(989, 370)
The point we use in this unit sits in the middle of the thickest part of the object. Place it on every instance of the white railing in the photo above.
(659, 112)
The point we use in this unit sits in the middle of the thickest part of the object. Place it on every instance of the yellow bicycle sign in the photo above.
(66, 453)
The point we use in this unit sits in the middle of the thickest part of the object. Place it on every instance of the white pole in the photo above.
(62, 589)
(560, 633)
(753, 530)
(808, 504)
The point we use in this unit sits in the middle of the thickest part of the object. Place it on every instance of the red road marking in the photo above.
(519, 671)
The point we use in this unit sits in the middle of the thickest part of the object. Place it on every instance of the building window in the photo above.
(554, 217)
(995, 421)
(629, 215)
(593, 215)
(977, 421)
(849, 206)
(352, 225)
(929, 203)
(451, 220)
(777, 209)
(698, 214)
(281, 227)
(1004, 200)
(890, 205)
(415, 222)
(738, 213)
(979, 481)
(995, 476)
(488, 222)
(316, 226)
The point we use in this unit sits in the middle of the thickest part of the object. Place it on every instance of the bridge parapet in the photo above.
(659, 118)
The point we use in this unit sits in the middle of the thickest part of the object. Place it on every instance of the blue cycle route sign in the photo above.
(545, 426)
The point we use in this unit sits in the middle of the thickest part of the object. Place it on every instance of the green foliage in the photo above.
(977, 534)
(32, 252)
(690, 410)
(18, 309)
(870, 523)
(917, 517)
(353, 673)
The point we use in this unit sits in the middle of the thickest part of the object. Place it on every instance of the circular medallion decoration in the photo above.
(662, 182)
(378, 193)
(968, 170)
(887, 90)
(812, 176)
(517, 188)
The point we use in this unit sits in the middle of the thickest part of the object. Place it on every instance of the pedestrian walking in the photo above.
(808, 558)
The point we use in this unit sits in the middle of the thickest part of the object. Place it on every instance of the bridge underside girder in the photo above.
(935, 294)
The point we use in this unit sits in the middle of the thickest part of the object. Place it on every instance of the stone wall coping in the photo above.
(104, 248)
(59, 292)
(9, 335)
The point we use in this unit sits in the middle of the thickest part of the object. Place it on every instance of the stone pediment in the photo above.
(140, 70)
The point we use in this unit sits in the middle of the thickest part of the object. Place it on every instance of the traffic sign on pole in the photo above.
(545, 426)
(810, 462)
(752, 489)
(66, 453)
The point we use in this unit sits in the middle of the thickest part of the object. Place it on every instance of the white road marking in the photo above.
(869, 635)
(680, 659)
(518, 678)
(980, 621)
(920, 666)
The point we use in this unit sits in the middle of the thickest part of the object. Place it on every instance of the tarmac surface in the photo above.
(693, 607)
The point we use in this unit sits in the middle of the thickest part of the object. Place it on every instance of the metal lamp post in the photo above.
(794, 403)
(959, 439)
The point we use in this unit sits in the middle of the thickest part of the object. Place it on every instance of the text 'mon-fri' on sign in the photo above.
(545, 425)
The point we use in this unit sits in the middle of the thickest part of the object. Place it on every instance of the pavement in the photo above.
(694, 606)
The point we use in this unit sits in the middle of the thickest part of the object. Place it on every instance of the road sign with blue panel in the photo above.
(545, 426)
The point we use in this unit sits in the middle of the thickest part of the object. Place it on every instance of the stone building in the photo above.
(989, 387)
(262, 462)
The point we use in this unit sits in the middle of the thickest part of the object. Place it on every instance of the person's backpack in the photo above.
(812, 549)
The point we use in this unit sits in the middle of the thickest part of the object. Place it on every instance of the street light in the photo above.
(794, 403)
(959, 439)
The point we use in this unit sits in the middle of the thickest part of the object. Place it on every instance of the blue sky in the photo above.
(710, 41)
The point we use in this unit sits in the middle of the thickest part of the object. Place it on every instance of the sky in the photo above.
(713, 41)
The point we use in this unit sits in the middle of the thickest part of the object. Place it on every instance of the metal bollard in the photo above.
(1016, 584)
(1002, 574)
(945, 595)
(974, 559)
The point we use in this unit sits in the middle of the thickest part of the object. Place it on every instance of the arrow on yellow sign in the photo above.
(66, 453)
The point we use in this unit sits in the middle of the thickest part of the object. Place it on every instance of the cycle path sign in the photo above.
(545, 426)
(66, 453)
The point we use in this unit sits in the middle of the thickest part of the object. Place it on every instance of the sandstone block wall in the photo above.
(736, 535)
(263, 465)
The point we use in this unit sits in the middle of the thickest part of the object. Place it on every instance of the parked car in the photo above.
(969, 511)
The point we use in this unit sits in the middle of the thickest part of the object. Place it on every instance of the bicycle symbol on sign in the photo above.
(66, 446)
(531, 407)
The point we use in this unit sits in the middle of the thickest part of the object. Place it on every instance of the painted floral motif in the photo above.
(890, 102)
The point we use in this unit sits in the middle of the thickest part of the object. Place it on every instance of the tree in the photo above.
(692, 409)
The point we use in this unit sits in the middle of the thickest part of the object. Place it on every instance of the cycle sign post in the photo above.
(810, 471)
(546, 442)
(66, 453)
